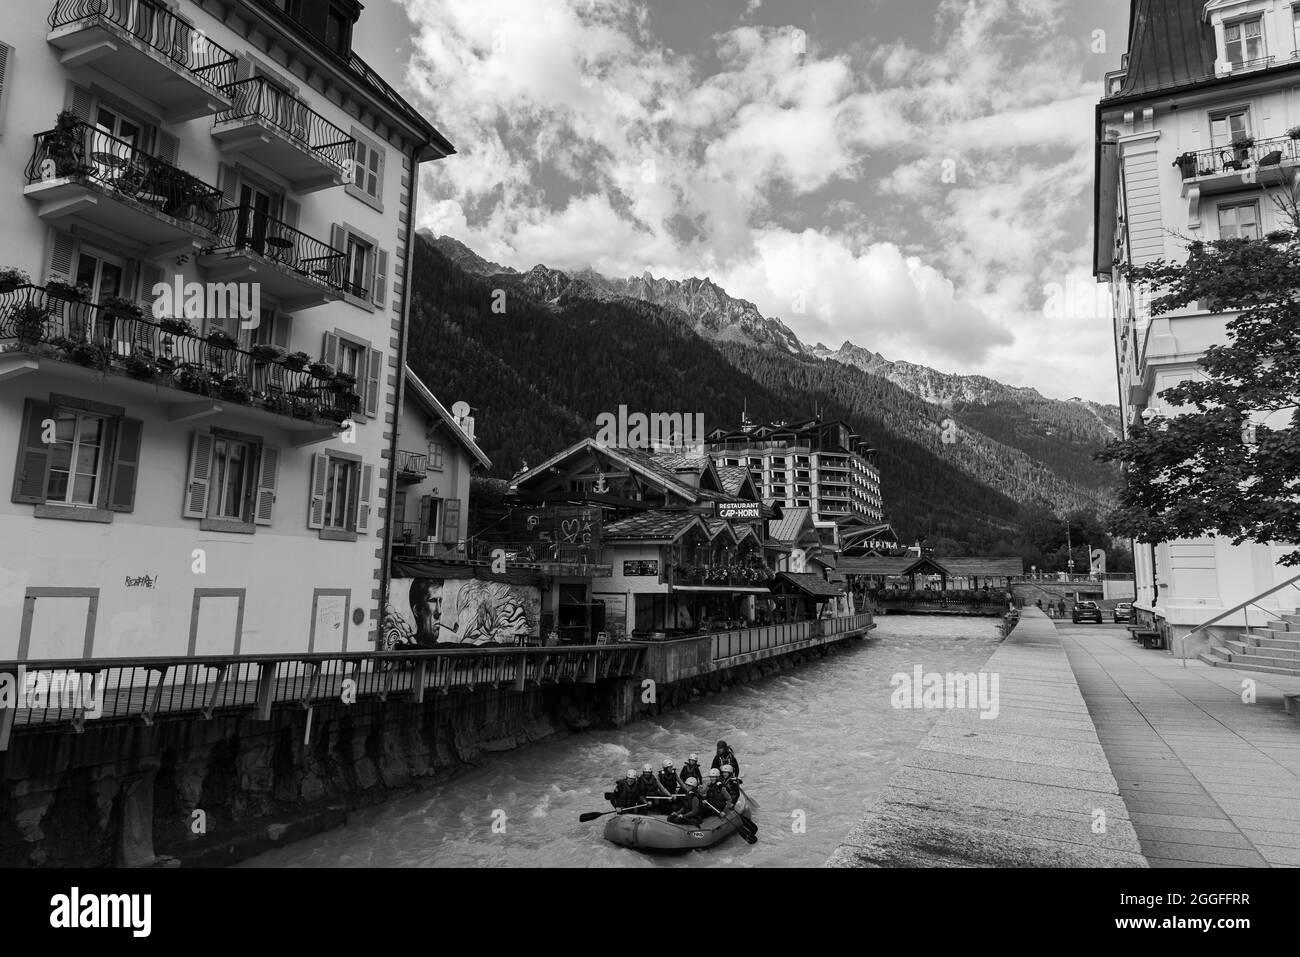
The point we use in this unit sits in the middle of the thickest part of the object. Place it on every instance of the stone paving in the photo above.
(1208, 779)
(1028, 788)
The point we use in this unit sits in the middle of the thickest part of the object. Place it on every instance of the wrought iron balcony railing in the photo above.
(89, 154)
(244, 228)
(412, 464)
(258, 98)
(1229, 158)
(116, 337)
(160, 29)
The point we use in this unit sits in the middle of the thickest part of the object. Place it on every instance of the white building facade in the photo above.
(1193, 143)
(199, 374)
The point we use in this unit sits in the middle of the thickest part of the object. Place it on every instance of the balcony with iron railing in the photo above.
(1244, 162)
(147, 48)
(411, 466)
(81, 175)
(299, 270)
(721, 575)
(166, 358)
(267, 124)
(414, 541)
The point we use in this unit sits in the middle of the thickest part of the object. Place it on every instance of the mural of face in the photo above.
(426, 607)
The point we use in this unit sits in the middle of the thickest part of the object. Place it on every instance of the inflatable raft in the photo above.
(647, 832)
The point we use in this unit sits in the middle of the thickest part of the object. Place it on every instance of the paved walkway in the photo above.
(1207, 779)
(1028, 788)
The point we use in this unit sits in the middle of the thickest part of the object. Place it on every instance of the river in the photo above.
(816, 746)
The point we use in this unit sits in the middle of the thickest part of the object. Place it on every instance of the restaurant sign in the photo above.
(739, 510)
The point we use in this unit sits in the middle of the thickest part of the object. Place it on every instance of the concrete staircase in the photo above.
(1275, 649)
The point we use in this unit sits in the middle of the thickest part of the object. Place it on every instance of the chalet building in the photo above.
(1194, 139)
(686, 544)
(436, 455)
(819, 465)
(212, 204)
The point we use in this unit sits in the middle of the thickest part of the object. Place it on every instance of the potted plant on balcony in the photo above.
(278, 402)
(91, 355)
(297, 361)
(222, 339)
(59, 288)
(179, 327)
(11, 279)
(344, 381)
(28, 321)
(140, 364)
(64, 148)
(236, 389)
(265, 352)
(321, 370)
(1186, 163)
(194, 378)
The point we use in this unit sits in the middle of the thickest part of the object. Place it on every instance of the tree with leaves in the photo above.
(1212, 466)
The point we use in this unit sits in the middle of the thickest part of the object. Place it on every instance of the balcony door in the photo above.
(116, 148)
(258, 228)
(105, 276)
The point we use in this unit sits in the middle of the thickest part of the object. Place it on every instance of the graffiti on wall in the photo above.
(425, 612)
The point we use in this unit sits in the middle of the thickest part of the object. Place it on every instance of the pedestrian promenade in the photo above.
(1208, 779)
(1030, 787)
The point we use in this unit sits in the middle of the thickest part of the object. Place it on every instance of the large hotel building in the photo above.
(208, 213)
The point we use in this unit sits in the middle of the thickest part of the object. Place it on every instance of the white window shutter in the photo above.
(62, 247)
(319, 475)
(381, 277)
(79, 102)
(363, 498)
(267, 474)
(200, 475)
(330, 349)
(371, 395)
(6, 64)
(169, 148)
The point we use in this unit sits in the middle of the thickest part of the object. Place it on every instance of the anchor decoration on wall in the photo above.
(600, 487)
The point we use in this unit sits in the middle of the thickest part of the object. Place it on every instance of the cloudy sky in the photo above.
(914, 176)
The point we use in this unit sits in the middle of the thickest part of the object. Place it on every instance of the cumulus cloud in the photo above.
(910, 197)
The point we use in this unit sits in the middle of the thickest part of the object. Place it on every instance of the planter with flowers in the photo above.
(11, 279)
(297, 361)
(58, 288)
(28, 321)
(321, 370)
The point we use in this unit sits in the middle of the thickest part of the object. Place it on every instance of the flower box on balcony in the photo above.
(11, 279)
(121, 308)
(297, 361)
(180, 327)
(57, 288)
(321, 370)
(222, 339)
(141, 365)
(267, 352)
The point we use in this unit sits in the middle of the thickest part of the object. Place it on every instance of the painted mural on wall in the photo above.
(424, 612)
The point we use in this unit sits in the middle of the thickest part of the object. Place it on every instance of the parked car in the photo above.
(1086, 611)
(1123, 611)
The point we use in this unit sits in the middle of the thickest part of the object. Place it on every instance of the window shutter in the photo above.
(61, 249)
(169, 148)
(426, 508)
(196, 488)
(228, 181)
(292, 212)
(363, 498)
(316, 508)
(6, 58)
(79, 102)
(330, 350)
(33, 454)
(378, 180)
(372, 383)
(451, 520)
(379, 286)
(282, 332)
(126, 465)
(150, 276)
(338, 238)
(267, 472)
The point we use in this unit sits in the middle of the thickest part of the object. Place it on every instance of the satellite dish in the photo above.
(460, 410)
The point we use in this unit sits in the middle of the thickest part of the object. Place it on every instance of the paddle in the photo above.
(752, 802)
(592, 815)
(740, 824)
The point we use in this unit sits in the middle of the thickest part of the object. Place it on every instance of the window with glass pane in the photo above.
(1295, 29)
(340, 510)
(435, 455)
(1244, 41)
(1239, 222)
(1228, 127)
(76, 457)
(229, 495)
(358, 263)
(352, 359)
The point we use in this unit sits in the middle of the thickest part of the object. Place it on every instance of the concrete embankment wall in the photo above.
(1030, 787)
(126, 794)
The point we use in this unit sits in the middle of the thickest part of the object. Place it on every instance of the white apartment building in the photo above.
(1194, 135)
(213, 201)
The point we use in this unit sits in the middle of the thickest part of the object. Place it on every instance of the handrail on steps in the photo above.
(1182, 642)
